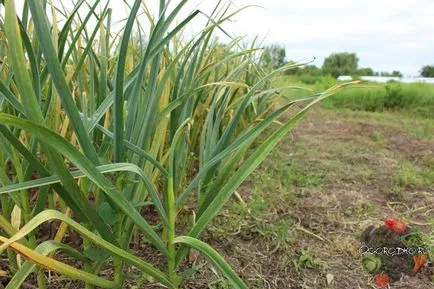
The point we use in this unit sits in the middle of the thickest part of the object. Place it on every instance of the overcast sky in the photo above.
(386, 34)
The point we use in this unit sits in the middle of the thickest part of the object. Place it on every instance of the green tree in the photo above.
(396, 73)
(427, 71)
(342, 63)
(311, 70)
(366, 71)
(274, 56)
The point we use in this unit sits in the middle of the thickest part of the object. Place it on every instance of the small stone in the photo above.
(329, 278)
(192, 256)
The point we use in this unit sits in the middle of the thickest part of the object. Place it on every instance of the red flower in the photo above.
(382, 280)
(395, 225)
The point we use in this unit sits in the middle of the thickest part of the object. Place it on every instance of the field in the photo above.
(143, 157)
(298, 218)
(413, 98)
(308, 204)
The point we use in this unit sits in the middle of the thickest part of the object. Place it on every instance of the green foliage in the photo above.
(396, 73)
(277, 232)
(306, 261)
(428, 159)
(311, 70)
(294, 175)
(371, 263)
(307, 74)
(366, 71)
(342, 63)
(416, 238)
(273, 56)
(410, 176)
(394, 97)
(427, 71)
(310, 79)
(417, 98)
(305, 70)
(109, 127)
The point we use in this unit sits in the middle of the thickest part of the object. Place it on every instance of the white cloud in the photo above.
(386, 34)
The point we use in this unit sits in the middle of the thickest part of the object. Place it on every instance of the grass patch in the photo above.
(294, 175)
(410, 176)
(417, 98)
(414, 98)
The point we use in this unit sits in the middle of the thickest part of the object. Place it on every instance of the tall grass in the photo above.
(96, 125)
(417, 98)
(414, 98)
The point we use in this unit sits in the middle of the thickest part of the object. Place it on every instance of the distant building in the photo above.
(381, 79)
(384, 79)
(345, 78)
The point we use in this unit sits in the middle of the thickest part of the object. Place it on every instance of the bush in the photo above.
(310, 79)
(394, 97)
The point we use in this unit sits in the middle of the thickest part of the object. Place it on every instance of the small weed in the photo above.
(379, 138)
(258, 204)
(396, 193)
(410, 176)
(306, 261)
(278, 233)
(416, 238)
(220, 284)
(364, 208)
(364, 173)
(294, 175)
(428, 160)
(423, 132)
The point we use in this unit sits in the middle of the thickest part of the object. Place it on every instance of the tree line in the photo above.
(336, 64)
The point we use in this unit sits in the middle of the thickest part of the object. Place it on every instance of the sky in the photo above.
(386, 35)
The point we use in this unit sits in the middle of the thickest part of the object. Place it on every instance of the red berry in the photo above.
(390, 223)
(399, 227)
(382, 280)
